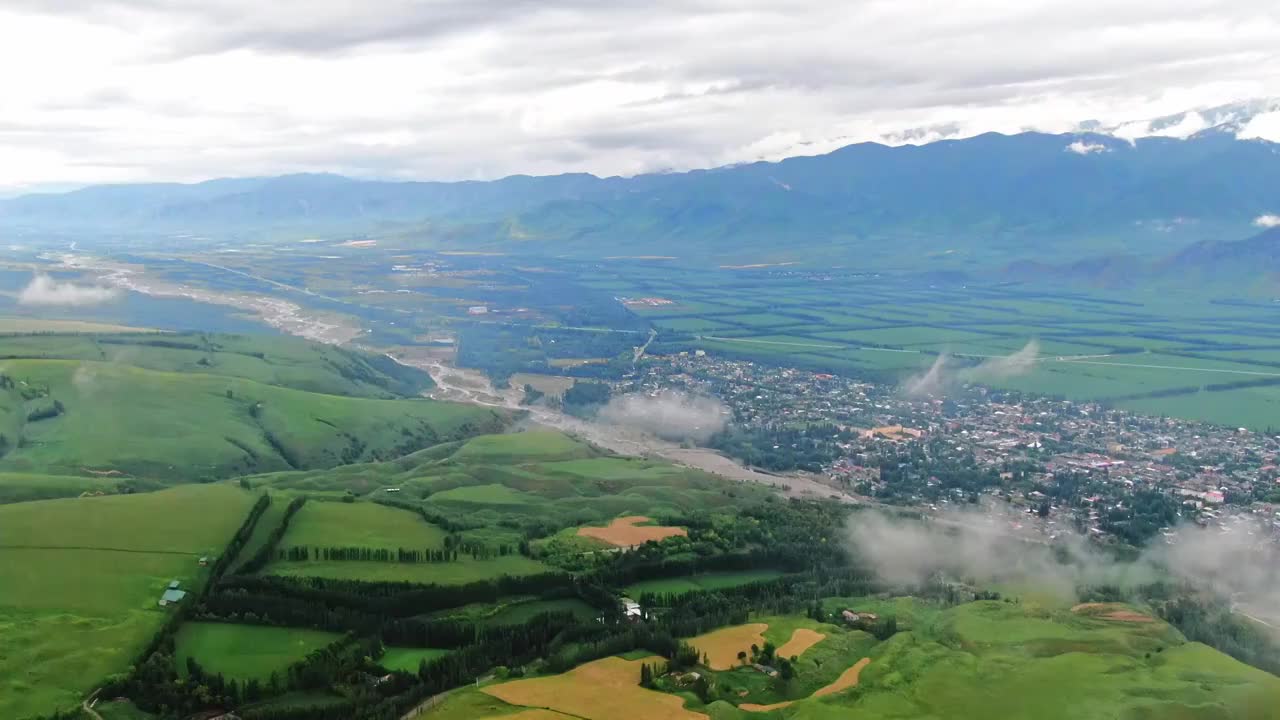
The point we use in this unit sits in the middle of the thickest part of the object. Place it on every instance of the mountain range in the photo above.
(993, 197)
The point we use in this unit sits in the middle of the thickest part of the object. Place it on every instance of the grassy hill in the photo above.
(194, 406)
(69, 417)
(501, 485)
(273, 360)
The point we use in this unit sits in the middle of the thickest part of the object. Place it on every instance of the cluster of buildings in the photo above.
(1058, 460)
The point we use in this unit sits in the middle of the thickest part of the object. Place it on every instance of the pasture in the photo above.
(321, 524)
(244, 652)
(702, 581)
(408, 659)
(80, 579)
(336, 524)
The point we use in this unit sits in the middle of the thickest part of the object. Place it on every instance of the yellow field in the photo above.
(531, 715)
(801, 640)
(624, 532)
(847, 679)
(607, 689)
(722, 646)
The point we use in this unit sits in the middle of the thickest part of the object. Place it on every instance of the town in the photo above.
(1110, 473)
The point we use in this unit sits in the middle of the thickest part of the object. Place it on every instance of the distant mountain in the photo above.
(1245, 118)
(1029, 195)
(1240, 263)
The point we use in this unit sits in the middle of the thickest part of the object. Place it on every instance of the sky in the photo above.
(98, 91)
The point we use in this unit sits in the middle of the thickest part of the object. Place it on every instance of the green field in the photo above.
(245, 651)
(21, 487)
(706, 581)
(80, 580)
(511, 611)
(334, 524)
(408, 659)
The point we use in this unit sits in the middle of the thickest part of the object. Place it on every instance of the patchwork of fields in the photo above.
(1194, 357)
(976, 660)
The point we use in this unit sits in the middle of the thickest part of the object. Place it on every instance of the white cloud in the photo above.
(455, 89)
(44, 290)
(1267, 221)
(1265, 126)
(1081, 147)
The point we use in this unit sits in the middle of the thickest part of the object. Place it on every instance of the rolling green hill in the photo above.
(194, 407)
(274, 360)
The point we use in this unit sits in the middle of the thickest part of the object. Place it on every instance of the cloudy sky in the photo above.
(126, 90)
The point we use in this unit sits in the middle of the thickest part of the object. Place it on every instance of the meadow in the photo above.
(408, 659)
(244, 652)
(367, 525)
(80, 579)
(702, 581)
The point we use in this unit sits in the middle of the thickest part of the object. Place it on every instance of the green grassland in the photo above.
(121, 710)
(243, 652)
(408, 659)
(541, 477)
(511, 611)
(79, 581)
(182, 427)
(332, 524)
(705, 581)
(21, 487)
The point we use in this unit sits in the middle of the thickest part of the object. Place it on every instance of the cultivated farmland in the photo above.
(602, 690)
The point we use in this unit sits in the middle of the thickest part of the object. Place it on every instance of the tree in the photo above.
(702, 688)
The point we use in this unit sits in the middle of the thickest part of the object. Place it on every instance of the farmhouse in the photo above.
(172, 594)
(631, 610)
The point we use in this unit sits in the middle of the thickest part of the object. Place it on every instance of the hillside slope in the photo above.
(274, 360)
(74, 417)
